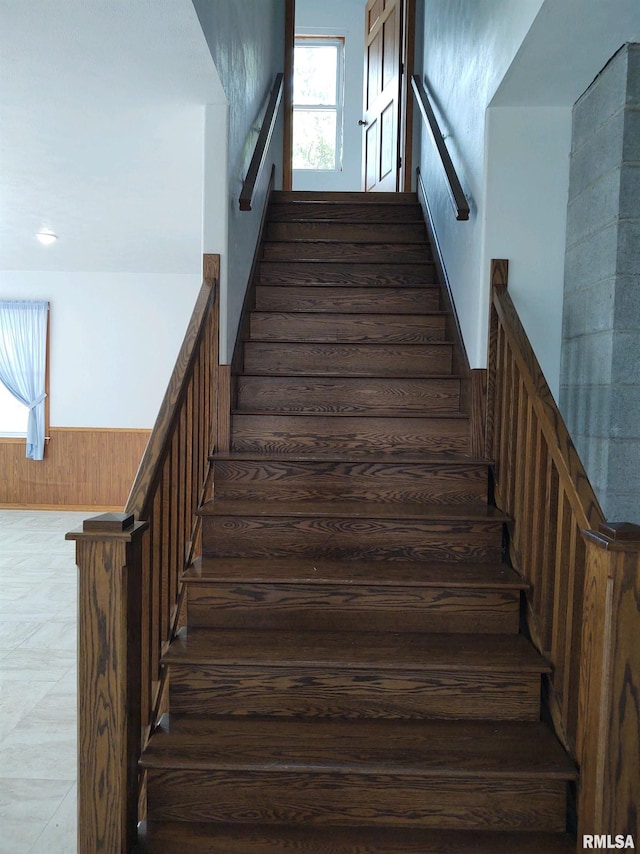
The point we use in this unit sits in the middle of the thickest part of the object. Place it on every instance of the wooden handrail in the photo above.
(456, 193)
(262, 144)
(584, 575)
(130, 600)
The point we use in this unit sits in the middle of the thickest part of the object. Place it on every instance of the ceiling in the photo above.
(101, 134)
(569, 43)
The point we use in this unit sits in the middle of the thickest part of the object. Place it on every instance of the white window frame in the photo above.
(338, 107)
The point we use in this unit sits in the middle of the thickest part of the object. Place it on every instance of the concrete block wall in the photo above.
(600, 366)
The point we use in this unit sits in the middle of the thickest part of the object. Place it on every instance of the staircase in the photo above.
(352, 677)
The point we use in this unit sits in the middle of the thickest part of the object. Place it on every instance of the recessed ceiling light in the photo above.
(46, 237)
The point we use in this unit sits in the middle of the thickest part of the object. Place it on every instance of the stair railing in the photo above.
(261, 150)
(130, 591)
(456, 193)
(583, 606)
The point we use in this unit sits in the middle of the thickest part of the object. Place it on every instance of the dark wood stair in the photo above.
(352, 677)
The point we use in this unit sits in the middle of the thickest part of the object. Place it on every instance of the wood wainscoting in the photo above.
(83, 467)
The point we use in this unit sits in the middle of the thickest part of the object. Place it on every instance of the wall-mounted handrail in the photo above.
(456, 193)
(262, 144)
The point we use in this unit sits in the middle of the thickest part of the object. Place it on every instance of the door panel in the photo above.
(382, 95)
(371, 157)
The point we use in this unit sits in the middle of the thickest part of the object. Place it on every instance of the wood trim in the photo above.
(289, 46)
(406, 100)
(85, 468)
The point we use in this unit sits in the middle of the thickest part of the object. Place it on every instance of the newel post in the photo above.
(108, 555)
(609, 702)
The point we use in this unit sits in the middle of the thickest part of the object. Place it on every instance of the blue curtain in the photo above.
(23, 362)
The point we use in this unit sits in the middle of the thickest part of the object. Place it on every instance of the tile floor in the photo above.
(38, 592)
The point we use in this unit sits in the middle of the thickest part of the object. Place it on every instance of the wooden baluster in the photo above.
(519, 478)
(155, 590)
(544, 605)
(502, 446)
(609, 706)
(145, 631)
(528, 491)
(109, 730)
(176, 556)
(574, 641)
(538, 511)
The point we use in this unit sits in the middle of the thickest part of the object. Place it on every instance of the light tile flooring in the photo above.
(38, 593)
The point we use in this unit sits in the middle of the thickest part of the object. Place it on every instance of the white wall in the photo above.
(246, 41)
(467, 48)
(338, 18)
(504, 77)
(114, 338)
(102, 109)
(527, 184)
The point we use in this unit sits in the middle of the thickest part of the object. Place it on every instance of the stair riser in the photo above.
(377, 360)
(351, 275)
(439, 483)
(353, 693)
(300, 434)
(382, 799)
(348, 232)
(386, 253)
(362, 213)
(346, 328)
(239, 839)
(318, 607)
(340, 539)
(348, 395)
(371, 300)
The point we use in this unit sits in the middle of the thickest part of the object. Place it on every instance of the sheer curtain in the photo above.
(23, 362)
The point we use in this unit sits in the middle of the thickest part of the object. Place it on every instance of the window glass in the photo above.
(314, 134)
(13, 414)
(318, 103)
(315, 76)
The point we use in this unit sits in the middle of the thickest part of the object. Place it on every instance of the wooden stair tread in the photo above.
(201, 838)
(405, 274)
(355, 510)
(408, 230)
(343, 197)
(374, 315)
(354, 573)
(357, 649)
(379, 413)
(347, 456)
(438, 749)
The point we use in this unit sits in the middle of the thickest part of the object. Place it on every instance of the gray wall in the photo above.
(246, 39)
(600, 374)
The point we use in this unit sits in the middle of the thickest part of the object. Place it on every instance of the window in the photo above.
(24, 342)
(13, 414)
(318, 82)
